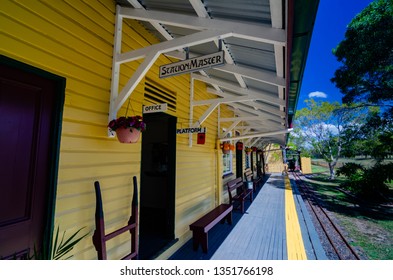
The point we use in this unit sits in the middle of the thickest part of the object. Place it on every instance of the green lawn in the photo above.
(318, 169)
(369, 227)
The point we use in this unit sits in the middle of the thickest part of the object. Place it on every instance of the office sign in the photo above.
(192, 64)
(155, 108)
(191, 130)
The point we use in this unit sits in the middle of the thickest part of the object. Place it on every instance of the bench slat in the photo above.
(248, 174)
(238, 184)
(212, 218)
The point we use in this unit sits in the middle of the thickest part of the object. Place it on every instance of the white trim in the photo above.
(167, 46)
(266, 97)
(254, 32)
(258, 75)
(258, 135)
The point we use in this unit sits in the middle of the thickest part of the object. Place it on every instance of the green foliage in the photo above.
(368, 183)
(366, 77)
(327, 128)
(297, 142)
(366, 55)
(60, 248)
(374, 137)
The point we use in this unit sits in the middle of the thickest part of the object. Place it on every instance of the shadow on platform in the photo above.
(216, 237)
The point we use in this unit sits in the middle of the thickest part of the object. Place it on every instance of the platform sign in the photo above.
(155, 108)
(192, 64)
(191, 130)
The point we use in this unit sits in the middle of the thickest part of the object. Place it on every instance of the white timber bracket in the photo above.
(245, 95)
(207, 30)
(149, 55)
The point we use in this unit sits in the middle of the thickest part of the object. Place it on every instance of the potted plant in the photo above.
(127, 129)
(248, 150)
(226, 147)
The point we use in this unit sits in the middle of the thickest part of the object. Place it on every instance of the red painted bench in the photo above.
(242, 193)
(201, 227)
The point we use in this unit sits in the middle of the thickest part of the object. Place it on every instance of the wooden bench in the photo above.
(248, 175)
(241, 192)
(201, 227)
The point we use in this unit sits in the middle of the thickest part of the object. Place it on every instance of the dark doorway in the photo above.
(158, 175)
(31, 103)
(239, 160)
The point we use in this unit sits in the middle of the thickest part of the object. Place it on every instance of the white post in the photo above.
(191, 109)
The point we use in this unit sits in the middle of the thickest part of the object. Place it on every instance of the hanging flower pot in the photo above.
(127, 129)
(226, 148)
(248, 150)
(128, 135)
(239, 146)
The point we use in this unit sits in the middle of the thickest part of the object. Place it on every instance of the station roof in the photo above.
(265, 44)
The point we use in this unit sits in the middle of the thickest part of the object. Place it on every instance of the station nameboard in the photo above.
(192, 64)
(191, 130)
(155, 108)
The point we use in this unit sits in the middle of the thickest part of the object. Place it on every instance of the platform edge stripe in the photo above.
(295, 244)
(315, 250)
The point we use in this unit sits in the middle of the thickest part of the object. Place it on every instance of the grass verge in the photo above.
(367, 226)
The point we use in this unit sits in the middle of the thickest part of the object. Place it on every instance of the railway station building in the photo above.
(209, 78)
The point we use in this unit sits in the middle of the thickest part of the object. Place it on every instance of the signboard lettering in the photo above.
(192, 64)
(191, 130)
(155, 108)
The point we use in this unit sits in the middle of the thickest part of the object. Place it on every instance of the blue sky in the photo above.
(332, 19)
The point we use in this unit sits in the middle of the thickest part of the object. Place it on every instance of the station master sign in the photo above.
(192, 64)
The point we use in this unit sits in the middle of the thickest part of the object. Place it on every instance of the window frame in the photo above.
(229, 158)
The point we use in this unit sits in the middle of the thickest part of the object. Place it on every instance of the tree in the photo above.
(323, 127)
(372, 138)
(297, 142)
(367, 74)
(366, 54)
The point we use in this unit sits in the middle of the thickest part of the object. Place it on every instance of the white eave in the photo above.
(253, 36)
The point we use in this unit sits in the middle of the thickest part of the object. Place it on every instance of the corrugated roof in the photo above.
(257, 64)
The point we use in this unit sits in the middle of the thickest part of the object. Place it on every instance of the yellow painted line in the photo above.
(295, 245)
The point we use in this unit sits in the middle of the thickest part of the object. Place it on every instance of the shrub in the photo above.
(367, 183)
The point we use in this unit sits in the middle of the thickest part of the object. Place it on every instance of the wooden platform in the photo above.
(261, 232)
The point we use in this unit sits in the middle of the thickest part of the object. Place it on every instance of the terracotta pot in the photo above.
(226, 148)
(128, 135)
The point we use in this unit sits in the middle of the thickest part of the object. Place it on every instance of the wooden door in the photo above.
(28, 120)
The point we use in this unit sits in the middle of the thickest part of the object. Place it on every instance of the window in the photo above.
(227, 163)
(227, 160)
(248, 160)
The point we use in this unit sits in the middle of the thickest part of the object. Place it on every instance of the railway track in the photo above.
(337, 241)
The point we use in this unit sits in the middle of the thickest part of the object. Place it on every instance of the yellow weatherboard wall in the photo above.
(74, 39)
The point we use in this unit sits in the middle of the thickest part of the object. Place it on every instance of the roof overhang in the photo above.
(265, 44)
